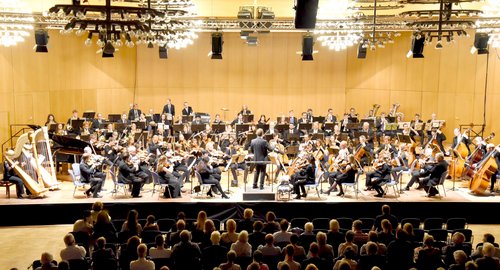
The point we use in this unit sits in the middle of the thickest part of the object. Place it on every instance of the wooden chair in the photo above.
(7, 186)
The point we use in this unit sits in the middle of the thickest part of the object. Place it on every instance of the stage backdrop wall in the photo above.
(269, 78)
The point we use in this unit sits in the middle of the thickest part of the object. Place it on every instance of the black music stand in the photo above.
(295, 137)
(53, 127)
(218, 128)
(77, 124)
(278, 119)
(305, 126)
(264, 127)
(247, 118)
(120, 127)
(268, 137)
(114, 117)
(187, 118)
(88, 115)
(319, 119)
(353, 119)
(197, 128)
(281, 127)
(370, 121)
(404, 138)
(177, 127)
(454, 159)
(352, 125)
(357, 134)
(240, 128)
(391, 119)
(140, 125)
(318, 136)
(329, 127)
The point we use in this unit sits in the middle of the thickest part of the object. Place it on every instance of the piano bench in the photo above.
(7, 186)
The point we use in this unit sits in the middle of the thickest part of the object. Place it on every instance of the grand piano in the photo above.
(67, 149)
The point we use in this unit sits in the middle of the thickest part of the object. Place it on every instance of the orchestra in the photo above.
(135, 145)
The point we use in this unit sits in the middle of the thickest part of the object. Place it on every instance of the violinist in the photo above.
(437, 137)
(305, 176)
(400, 160)
(432, 177)
(460, 138)
(217, 120)
(154, 146)
(262, 119)
(386, 146)
(409, 131)
(304, 119)
(86, 130)
(238, 120)
(421, 168)
(90, 174)
(232, 150)
(368, 150)
(127, 175)
(51, 120)
(382, 170)
(60, 130)
(140, 161)
(165, 171)
(369, 134)
(209, 176)
(333, 173)
(111, 151)
(315, 128)
(180, 169)
(346, 174)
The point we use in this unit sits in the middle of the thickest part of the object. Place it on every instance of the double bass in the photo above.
(459, 153)
(482, 177)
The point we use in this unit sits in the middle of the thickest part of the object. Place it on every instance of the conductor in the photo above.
(259, 148)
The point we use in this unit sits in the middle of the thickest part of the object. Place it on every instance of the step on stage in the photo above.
(61, 207)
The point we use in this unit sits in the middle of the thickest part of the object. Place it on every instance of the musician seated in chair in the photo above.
(382, 172)
(231, 150)
(345, 174)
(10, 175)
(364, 160)
(432, 178)
(437, 137)
(165, 171)
(209, 176)
(127, 175)
(90, 175)
(303, 177)
(460, 138)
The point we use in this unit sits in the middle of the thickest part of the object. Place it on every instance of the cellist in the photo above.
(489, 148)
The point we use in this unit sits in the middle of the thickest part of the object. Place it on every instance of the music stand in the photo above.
(53, 127)
(140, 125)
(358, 134)
(305, 126)
(247, 118)
(88, 115)
(391, 119)
(120, 127)
(404, 138)
(454, 159)
(401, 124)
(114, 117)
(77, 124)
(344, 137)
(295, 137)
(241, 128)
(352, 125)
(287, 119)
(329, 127)
(177, 127)
(353, 119)
(370, 121)
(197, 128)
(264, 127)
(187, 118)
(318, 136)
(218, 128)
(281, 127)
(319, 119)
(234, 159)
(268, 137)
(292, 150)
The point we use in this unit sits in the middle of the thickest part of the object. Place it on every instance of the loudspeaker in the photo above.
(481, 42)
(307, 48)
(41, 40)
(305, 14)
(217, 43)
(259, 196)
(362, 50)
(417, 46)
(163, 51)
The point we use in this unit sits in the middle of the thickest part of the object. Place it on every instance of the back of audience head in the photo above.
(269, 239)
(243, 236)
(185, 236)
(254, 266)
(248, 213)
(180, 225)
(215, 237)
(209, 226)
(460, 257)
(159, 241)
(371, 248)
(283, 266)
(470, 265)
(101, 242)
(231, 256)
(258, 226)
(103, 217)
(334, 225)
(231, 225)
(458, 238)
(321, 238)
(313, 248)
(401, 235)
(349, 236)
(284, 225)
(311, 267)
(97, 206)
(308, 227)
(289, 250)
(257, 256)
(63, 265)
(46, 258)
(270, 216)
(349, 253)
(294, 239)
(142, 250)
(488, 250)
(69, 239)
(344, 266)
(386, 209)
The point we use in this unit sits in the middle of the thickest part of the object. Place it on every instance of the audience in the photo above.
(231, 236)
(131, 225)
(257, 258)
(247, 222)
(142, 263)
(151, 224)
(488, 261)
(101, 253)
(293, 265)
(230, 265)
(283, 236)
(85, 224)
(256, 238)
(349, 259)
(72, 251)
(242, 248)
(386, 214)
(159, 251)
(386, 236)
(335, 237)
(271, 226)
(47, 261)
(349, 236)
(214, 254)
(186, 254)
(269, 249)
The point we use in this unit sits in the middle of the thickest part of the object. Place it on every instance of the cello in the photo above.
(475, 157)
(481, 179)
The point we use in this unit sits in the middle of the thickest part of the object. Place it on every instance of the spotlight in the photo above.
(246, 13)
(88, 41)
(217, 43)
(163, 51)
(245, 34)
(41, 40)
(481, 43)
(265, 13)
(150, 45)
(307, 48)
(305, 14)
(252, 41)
(439, 45)
(108, 50)
(362, 49)
(417, 47)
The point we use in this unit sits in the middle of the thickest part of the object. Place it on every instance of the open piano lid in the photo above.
(68, 145)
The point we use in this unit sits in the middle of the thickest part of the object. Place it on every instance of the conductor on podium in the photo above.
(259, 148)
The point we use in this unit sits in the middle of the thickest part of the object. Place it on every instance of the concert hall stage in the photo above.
(60, 207)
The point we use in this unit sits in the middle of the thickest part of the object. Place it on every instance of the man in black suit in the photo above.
(290, 131)
(291, 118)
(304, 119)
(439, 136)
(124, 119)
(432, 178)
(460, 138)
(330, 118)
(169, 108)
(187, 110)
(90, 175)
(127, 175)
(259, 148)
(134, 113)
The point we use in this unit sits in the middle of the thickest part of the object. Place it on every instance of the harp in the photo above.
(42, 154)
(25, 166)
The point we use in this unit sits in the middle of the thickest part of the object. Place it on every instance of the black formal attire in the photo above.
(245, 112)
(213, 256)
(429, 182)
(304, 177)
(260, 148)
(330, 119)
(415, 176)
(237, 122)
(493, 179)
(96, 123)
(187, 255)
(171, 180)
(320, 263)
(488, 263)
(378, 221)
(383, 175)
(91, 175)
(369, 137)
(134, 114)
(365, 159)
(10, 175)
(169, 108)
(209, 176)
(256, 239)
(463, 139)
(235, 166)
(101, 255)
(367, 262)
(106, 230)
(440, 137)
(187, 111)
(429, 258)
(347, 177)
(123, 121)
(127, 175)
(399, 255)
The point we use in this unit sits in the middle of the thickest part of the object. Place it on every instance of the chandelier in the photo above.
(15, 22)
(151, 22)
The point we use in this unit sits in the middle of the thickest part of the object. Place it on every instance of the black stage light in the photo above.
(217, 43)
(41, 40)
(307, 48)
(305, 14)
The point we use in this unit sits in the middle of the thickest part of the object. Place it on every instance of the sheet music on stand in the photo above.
(264, 127)
(218, 128)
(419, 126)
(344, 136)
(242, 128)
(278, 119)
(391, 119)
(187, 118)
(353, 119)
(281, 127)
(305, 126)
(292, 150)
(197, 128)
(177, 127)
(77, 124)
(139, 124)
(352, 126)
(88, 115)
(402, 124)
(370, 121)
(268, 137)
(318, 136)
(329, 127)
(404, 138)
(295, 137)
(247, 118)
(120, 127)
(391, 126)
(114, 117)
(319, 119)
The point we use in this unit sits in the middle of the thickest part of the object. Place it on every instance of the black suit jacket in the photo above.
(438, 170)
(260, 148)
(171, 111)
(131, 115)
(86, 172)
(334, 119)
(464, 140)
(187, 111)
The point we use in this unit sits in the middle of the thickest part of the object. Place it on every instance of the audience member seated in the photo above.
(271, 226)
(231, 236)
(241, 247)
(307, 237)
(314, 258)
(97, 207)
(269, 249)
(159, 251)
(47, 262)
(373, 238)
(399, 252)
(104, 228)
(372, 257)
(258, 258)
(63, 265)
(207, 233)
(349, 236)
(186, 254)
(257, 238)
(412, 238)
(180, 225)
(72, 250)
(151, 224)
(283, 236)
(199, 227)
(428, 257)
(128, 252)
(460, 259)
(101, 253)
(293, 265)
(299, 252)
(487, 238)
(488, 261)
(85, 224)
(215, 254)
(457, 243)
(247, 222)
(386, 214)
(230, 265)
(325, 250)
(335, 237)
(349, 258)
(386, 236)
(142, 263)
(131, 225)
(360, 238)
